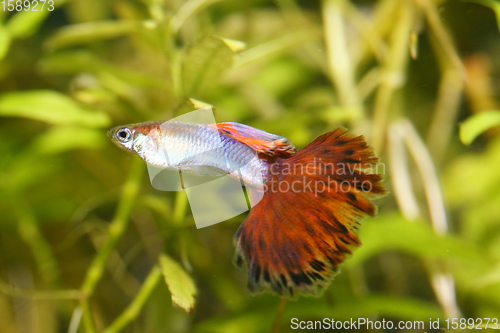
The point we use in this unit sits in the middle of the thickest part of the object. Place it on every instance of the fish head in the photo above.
(141, 139)
(123, 136)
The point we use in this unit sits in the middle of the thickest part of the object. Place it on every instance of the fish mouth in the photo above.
(110, 133)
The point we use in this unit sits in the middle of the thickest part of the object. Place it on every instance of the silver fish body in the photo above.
(195, 148)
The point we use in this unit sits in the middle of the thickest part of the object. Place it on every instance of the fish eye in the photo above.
(124, 134)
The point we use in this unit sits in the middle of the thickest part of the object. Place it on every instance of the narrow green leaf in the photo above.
(89, 32)
(22, 172)
(246, 322)
(477, 124)
(275, 47)
(203, 63)
(179, 283)
(292, 75)
(74, 62)
(491, 277)
(382, 304)
(51, 107)
(26, 23)
(234, 45)
(70, 62)
(339, 114)
(64, 138)
(472, 191)
(393, 232)
(188, 8)
(199, 104)
(4, 41)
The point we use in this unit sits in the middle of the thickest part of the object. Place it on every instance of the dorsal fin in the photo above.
(262, 142)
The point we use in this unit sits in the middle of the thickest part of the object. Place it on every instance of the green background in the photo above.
(87, 245)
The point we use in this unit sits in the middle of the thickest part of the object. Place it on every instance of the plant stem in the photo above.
(446, 110)
(180, 206)
(341, 70)
(30, 232)
(116, 229)
(187, 9)
(443, 37)
(393, 75)
(279, 315)
(442, 281)
(153, 278)
(135, 307)
(36, 294)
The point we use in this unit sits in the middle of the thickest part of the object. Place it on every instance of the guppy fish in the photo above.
(295, 237)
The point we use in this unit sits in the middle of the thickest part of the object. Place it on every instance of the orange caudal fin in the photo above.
(262, 142)
(308, 220)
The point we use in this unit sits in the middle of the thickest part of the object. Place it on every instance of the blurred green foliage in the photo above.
(87, 245)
